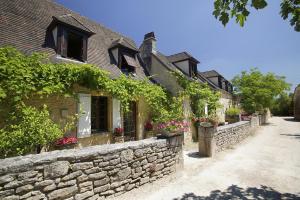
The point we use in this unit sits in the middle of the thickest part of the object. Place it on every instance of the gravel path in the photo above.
(264, 166)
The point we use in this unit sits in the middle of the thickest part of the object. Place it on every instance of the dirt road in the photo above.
(264, 166)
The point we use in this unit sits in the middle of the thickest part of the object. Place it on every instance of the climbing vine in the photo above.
(24, 76)
(200, 94)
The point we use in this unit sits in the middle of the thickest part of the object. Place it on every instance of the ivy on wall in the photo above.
(200, 94)
(23, 127)
(23, 76)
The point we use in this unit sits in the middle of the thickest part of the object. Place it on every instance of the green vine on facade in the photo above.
(24, 76)
(200, 95)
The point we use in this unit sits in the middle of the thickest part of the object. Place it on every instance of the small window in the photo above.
(71, 44)
(193, 69)
(74, 47)
(128, 64)
(99, 114)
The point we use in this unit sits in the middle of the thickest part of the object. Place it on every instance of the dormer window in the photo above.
(192, 69)
(125, 56)
(128, 64)
(70, 37)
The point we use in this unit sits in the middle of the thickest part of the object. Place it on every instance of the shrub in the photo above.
(28, 130)
(233, 111)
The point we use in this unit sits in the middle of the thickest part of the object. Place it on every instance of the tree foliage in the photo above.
(239, 9)
(283, 105)
(258, 91)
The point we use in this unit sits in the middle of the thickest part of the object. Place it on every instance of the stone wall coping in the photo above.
(26, 162)
(237, 124)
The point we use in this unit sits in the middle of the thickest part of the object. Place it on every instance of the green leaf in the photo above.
(259, 4)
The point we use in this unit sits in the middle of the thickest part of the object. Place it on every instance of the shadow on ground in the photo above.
(235, 192)
(296, 135)
(195, 155)
(290, 119)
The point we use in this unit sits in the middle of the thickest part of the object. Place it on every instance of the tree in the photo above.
(258, 91)
(239, 9)
(283, 105)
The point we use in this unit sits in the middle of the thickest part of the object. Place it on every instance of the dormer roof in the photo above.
(181, 57)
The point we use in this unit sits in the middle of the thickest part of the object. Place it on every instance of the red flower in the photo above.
(148, 126)
(119, 131)
(66, 141)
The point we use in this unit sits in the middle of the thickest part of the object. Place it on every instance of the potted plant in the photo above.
(172, 128)
(232, 115)
(118, 135)
(149, 129)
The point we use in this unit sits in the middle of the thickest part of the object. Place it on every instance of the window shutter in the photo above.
(116, 113)
(84, 121)
(64, 43)
(84, 48)
(59, 39)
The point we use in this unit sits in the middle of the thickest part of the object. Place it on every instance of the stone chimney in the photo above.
(149, 45)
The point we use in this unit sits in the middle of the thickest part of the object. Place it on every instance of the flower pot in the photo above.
(118, 139)
(174, 139)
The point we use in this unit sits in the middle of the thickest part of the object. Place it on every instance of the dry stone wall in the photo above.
(91, 173)
(229, 135)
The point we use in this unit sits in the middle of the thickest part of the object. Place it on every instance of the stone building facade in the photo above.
(66, 36)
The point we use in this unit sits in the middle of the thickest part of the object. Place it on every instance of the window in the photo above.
(128, 64)
(99, 114)
(71, 44)
(193, 69)
(74, 47)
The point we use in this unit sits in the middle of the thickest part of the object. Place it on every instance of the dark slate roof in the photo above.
(123, 42)
(206, 80)
(24, 26)
(72, 21)
(212, 73)
(182, 56)
(209, 74)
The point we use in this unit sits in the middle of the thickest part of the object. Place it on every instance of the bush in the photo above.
(233, 111)
(27, 131)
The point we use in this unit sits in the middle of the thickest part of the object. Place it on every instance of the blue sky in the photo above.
(266, 42)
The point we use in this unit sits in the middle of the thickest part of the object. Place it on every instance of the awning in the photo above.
(130, 60)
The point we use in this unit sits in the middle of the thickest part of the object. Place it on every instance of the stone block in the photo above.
(97, 176)
(49, 188)
(71, 176)
(24, 189)
(84, 195)
(63, 193)
(6, 179)
(56, 169)
(101, 188)
(101, 182)
(82, 166)
(124, 173)
(66, 184)
(26, 175)
(126, 155)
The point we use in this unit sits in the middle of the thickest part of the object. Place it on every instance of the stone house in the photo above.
(159, 67)
(66, 36)
(225, 88)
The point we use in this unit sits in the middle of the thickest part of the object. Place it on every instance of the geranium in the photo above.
(66, 140)
(173, 126)
(119, 131)
(148, 126)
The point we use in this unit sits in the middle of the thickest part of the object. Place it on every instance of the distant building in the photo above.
(297, 103)
(226, 89)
